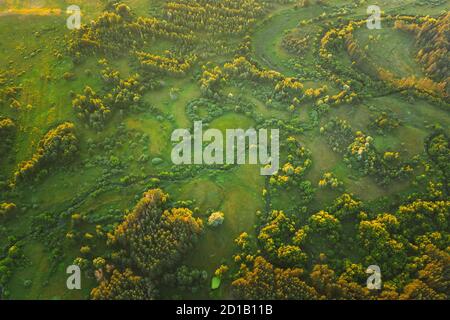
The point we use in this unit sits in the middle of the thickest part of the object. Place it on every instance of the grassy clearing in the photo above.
(174, 105)
(232, 121)
(390, 49)
(45, 285)
(267, 39)
(236, 193)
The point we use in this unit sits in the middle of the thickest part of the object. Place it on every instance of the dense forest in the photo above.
(86, 176)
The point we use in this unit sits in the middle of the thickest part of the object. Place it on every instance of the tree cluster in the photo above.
(59, 146)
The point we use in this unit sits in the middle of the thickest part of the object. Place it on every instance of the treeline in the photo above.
(437, 147)
(59, 146)
(432, 37)
(230, 17)
(118, 31)
(170, 65)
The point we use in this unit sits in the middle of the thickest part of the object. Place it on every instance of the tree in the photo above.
(6, 209)
(329, 285)
(377, 238)
(216, 219)
(421, 216)
(326, 224)
(7, 130)
(274, 237)
(155, 238)
(418, 290)
(265, 282)
(58, 146)
(124, 286)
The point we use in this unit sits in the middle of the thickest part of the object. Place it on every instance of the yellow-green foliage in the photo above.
(166, 65)
(6, 209)
(7, 129)
(90, 106)
(117, 31)
(167, 233)
(58, 146)
(329, 180)
(122, 286)
(225, 17)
